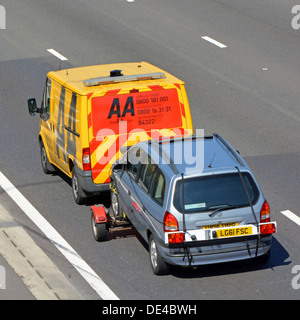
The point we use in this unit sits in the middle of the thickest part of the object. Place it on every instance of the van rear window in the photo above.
(157, 109)
(211, 192)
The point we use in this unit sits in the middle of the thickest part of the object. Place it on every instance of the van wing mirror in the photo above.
(32, 107)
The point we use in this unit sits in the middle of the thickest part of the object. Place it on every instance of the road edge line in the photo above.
(60, 243)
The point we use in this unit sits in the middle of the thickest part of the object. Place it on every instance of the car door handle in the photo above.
(129, 192)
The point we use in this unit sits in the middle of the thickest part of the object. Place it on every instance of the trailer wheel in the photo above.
(99, 229)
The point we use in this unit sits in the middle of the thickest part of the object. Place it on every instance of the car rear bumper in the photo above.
(210, 253)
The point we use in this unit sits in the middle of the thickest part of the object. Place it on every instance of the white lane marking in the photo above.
(130, 0)
(289, 214)
(57, 54)
(61, 244)
(215, 42)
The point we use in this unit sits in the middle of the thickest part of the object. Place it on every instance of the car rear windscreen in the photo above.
(156, 109)
(209, 193)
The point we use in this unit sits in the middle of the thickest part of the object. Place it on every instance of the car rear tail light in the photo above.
(177, 237)
(265, 213)
(170, 222)
(267, 228)
(86, 161)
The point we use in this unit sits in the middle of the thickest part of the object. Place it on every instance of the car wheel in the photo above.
(78, 193)
(115, 204)
(46, 165)
(159, 266)
(99, 229)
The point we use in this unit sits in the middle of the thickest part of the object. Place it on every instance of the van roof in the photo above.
(74, 78)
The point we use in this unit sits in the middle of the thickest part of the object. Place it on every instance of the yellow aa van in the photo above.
(89, 113)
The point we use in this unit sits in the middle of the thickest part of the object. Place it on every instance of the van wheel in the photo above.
(46, 165)
(159, 266)
(78, 193)
(99, 229)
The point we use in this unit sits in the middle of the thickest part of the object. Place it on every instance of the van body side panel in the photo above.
(72, 128)
(58, 116)
(66, 126)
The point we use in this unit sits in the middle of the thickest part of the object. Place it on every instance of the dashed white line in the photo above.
(57, 54)
(215, 42)
(61, 244)
(289, 214)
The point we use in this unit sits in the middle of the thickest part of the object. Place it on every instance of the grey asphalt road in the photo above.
(247, 91)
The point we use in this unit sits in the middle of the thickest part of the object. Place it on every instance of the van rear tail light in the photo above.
(177, 237)
(170, 222)
(265, 213)
(267, 228)
(86, 160)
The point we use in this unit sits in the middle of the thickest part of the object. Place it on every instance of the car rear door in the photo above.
(217, 200)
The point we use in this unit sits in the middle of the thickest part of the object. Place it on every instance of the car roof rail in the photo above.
(229, 148)
(187, 137)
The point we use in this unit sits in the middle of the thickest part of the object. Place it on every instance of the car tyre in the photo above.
(99, 229)
(158, 265)
(46, 165)
(78, 193)
(115, 204)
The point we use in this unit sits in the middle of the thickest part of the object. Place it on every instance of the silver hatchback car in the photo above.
(194, 200)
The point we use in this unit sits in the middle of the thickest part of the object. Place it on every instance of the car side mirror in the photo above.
(32, 107)
(119, 167)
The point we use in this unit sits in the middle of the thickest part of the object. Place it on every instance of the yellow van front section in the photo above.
(122, 117)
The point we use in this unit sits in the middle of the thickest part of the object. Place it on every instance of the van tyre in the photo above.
(78, 193)
(46, 165)
(158, 265)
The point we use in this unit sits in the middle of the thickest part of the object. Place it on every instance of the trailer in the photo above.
(104, 221)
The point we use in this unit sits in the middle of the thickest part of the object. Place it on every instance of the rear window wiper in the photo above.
(223, 207)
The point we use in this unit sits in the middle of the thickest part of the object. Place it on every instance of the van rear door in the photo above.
(122, 117)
